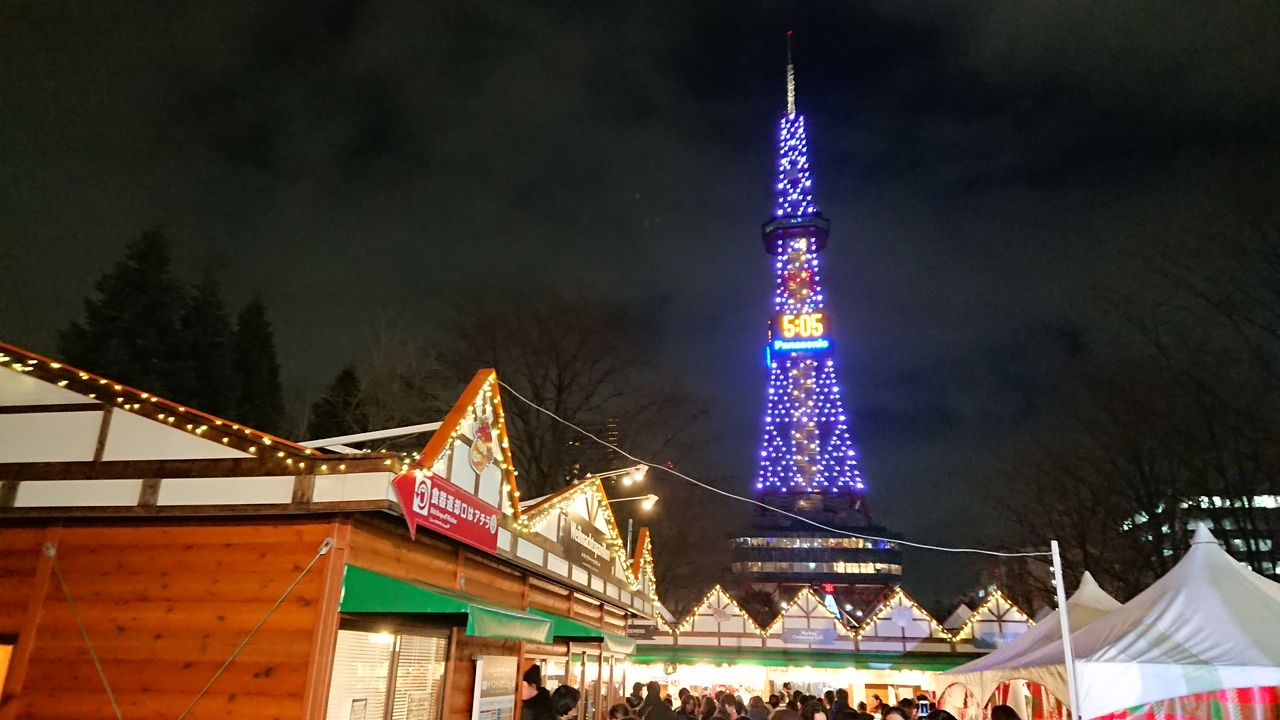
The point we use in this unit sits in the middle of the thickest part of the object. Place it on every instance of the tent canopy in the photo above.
(983, 675)
(1208, 624)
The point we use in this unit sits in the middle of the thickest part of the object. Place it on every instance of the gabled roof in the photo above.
(996, 609)
(92, 387)
(899, 598)
(530, 518)
(721, 606)
(807, 604)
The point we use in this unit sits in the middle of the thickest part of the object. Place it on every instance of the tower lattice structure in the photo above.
(806, 447)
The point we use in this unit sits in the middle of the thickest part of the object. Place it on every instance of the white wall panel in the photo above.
(226, 491)
(557, 564)
(351, 486)
(20, 388)
(77, 493)
(137, 438)
(528, 551)
(491, 485)
(48, 437)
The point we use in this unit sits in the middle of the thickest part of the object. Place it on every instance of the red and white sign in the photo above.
(433, 502)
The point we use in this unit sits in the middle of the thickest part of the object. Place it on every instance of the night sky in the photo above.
(990, 167)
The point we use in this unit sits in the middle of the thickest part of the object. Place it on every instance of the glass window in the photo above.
(361, 671)
(419, 672)
(372, 669)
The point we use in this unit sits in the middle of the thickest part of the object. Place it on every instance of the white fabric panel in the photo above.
(77, 493)
(20, 388)
(275, 489)
(351, 486)
(1208, 624)
(49, 437)
(132, 437)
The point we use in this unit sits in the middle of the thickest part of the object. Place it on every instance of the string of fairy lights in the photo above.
(717, 601)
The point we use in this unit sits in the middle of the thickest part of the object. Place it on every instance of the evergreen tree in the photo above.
(256, 371)
(339, 411)
(128, 330)
(205, 336)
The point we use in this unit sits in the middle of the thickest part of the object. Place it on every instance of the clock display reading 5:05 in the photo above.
(806, 325)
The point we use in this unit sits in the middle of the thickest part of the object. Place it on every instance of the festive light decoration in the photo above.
(804, 604)
(989, 607)
(806, 446)
(899, 598)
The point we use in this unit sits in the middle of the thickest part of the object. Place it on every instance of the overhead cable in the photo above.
(767, 507)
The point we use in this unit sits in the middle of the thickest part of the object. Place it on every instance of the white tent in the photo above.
(1208, 624)
(983, 675)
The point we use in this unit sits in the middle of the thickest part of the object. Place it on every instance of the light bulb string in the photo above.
(725, 493)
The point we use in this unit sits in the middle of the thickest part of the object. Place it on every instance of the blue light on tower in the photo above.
(806, 446)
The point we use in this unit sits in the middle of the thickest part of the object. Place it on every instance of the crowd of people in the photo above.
(648, 703)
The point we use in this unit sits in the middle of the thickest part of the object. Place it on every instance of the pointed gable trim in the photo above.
(726, 599)
(883, 610)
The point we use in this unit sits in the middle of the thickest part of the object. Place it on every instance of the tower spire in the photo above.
(791, 80)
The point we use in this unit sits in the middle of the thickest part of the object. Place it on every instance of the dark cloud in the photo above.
(988, 166)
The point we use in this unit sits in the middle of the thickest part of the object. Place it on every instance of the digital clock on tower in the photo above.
(803, 326)
(799, 332)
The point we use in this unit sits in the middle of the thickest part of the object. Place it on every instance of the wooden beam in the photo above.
(325, 637)
(221, 467)
(51, 408)
(103, 429)
(13, 701)
(196, 510)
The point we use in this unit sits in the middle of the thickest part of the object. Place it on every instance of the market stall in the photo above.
(159, 561)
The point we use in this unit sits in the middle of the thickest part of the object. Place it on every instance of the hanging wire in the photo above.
(757, 503)
(323, 550)
(51, 552)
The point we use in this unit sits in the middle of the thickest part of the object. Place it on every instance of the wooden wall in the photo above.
(461, 671)
(165, 603)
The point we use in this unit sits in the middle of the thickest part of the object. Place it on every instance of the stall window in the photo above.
(386, 676)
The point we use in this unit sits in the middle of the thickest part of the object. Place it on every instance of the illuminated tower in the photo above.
(807, 464)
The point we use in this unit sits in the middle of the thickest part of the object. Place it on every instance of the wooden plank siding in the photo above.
(461, 672)
(165, 603)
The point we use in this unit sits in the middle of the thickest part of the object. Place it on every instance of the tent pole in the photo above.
(1069, 655)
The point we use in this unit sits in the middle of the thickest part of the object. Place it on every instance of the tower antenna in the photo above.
(791, 80)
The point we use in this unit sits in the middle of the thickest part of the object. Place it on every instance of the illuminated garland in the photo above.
(532, 519)
(726, 599)
(887, 606)
(165, 412)
(993, 598)
(813, 597)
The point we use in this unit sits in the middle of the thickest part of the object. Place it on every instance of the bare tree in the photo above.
(591, 362)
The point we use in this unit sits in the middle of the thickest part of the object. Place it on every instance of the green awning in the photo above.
(566, 629)
(364, 591)
(777, 657)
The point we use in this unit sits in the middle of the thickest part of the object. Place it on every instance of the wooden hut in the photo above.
(159, 562)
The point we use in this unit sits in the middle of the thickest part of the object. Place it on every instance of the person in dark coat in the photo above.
(535, 700)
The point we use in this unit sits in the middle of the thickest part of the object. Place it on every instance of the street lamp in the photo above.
(629, 475)
(646, 503)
